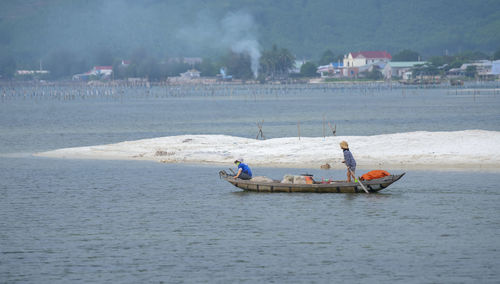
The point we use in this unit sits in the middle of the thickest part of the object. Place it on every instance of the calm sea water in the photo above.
(131, 222)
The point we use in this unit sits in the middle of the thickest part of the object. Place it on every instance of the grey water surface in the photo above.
(87, 221)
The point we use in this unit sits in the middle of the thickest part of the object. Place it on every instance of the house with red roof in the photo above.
(102, 72)
(354, 60)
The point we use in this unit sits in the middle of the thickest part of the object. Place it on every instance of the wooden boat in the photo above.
(372, 186)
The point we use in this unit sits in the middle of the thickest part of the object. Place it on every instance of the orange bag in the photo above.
(374, 175)
(309, 180)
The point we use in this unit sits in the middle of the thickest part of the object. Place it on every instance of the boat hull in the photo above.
(334, 187)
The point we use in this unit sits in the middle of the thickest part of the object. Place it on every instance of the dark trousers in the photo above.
(244, 176)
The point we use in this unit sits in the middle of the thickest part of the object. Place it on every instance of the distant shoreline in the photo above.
(213, 82)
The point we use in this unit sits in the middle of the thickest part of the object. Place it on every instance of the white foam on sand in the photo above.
(469, 149)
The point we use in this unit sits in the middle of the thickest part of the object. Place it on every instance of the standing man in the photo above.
(244, 171)
(349, 161)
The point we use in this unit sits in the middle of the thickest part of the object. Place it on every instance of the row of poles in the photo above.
(84, 91)
(333, 129)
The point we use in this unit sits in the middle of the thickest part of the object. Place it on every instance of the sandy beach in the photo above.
(469, 149)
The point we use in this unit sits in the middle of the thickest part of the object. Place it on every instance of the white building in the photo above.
(191, 74)
(330, 70)
(358, 59)
(32, 72)
(98, 71)
(485, 69)
(354, 60)
(495, 67)
(400, 69)
(102, 71)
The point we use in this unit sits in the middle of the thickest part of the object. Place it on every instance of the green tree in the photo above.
(175, 66)
(150, 69)
(308, 69)
(276, 63)
(471, 71)
(207, 67)
(268, 62)
(440, 60)
(286, 61)
(238, 65)
(327, 57)
(406, 55)
(469, 55)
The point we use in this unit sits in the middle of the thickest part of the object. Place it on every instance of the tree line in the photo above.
(274, 64)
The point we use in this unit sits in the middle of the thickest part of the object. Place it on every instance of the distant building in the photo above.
(101, 72)
(485, 69)
(331, 70)
(379, 65)
(354, 60)
(186, 60)
(358, 59)
(455, 73)
(31, 72)
(495, 68)
(400, 69)
(191, 74)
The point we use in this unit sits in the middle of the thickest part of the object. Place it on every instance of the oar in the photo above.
(359, 180)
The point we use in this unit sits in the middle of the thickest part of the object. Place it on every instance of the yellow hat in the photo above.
(344, 145)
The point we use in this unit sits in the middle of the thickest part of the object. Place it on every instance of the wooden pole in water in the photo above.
(298, 128)
(324, 135)
(358, 179)
(334, 130)
(259, 125)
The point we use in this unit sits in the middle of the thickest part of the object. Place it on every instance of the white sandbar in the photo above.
(469, 149)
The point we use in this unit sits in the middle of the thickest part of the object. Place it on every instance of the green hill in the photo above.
(33, 29)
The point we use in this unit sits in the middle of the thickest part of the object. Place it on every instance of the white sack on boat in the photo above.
(299, 180)
(262, 179)
(287, 179)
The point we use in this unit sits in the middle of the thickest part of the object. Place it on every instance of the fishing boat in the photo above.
(370, 186)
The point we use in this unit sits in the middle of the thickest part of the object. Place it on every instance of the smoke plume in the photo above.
(236, 31)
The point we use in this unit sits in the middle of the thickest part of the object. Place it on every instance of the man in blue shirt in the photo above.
(349, 161)
(244, 171)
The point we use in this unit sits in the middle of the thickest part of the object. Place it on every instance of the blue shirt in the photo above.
(349, 159)
(245, 169)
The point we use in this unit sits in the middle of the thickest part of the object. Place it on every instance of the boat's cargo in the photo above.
(309, 180)
(287, 179)
(295, 179)
(299, 180)
(334, 186)
(375, 174)
(262, 179)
